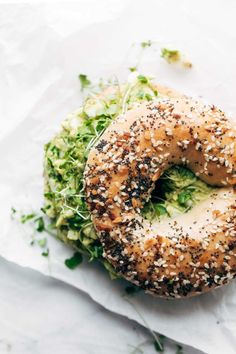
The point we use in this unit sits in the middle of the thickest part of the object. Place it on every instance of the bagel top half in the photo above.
(179, 256)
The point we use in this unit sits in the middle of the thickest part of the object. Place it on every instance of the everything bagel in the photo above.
(180, 256)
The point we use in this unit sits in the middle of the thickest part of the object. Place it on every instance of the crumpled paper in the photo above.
(42, 52)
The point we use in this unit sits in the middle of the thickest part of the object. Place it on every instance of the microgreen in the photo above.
(171, 56)
(84, 81)
(39, 222)
(13, 211)
(27, 217)
(95, 252)
(42, 242)
(160, 209)
(184, 198)
(132, 69)
(45, 253)
(74, 261)
(159, 345)
(146, 44)
(143, 79)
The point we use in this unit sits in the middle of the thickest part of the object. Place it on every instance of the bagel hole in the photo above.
(175, 192)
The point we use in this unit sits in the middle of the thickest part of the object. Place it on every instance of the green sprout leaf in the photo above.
(148, 97)
(13, 210)
(160, 209)
(171, 56)
(159, 346)
(132, 69)
(42, 242)
(185, 199)
(84, 81)
(45, 253)
(142, 79)
(27, 217)
(74, 261)
(96, 252)
(39, 222)
(146, 44)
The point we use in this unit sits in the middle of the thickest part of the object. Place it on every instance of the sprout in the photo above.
(174, 56)
(178, 177)
(171, 56)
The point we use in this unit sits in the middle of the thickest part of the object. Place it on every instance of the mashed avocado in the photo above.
(66, 154)
(176, 192)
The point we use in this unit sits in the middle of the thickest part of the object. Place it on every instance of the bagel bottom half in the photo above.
(175, 257)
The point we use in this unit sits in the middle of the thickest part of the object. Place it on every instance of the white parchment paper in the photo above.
(42, 49)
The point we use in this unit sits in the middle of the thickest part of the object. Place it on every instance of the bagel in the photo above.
(176, 257)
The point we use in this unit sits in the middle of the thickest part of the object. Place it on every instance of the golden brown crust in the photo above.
(123, 167)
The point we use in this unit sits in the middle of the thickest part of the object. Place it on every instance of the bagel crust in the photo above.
(176, 257)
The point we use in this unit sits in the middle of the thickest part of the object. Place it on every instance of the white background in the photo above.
(41, 315)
